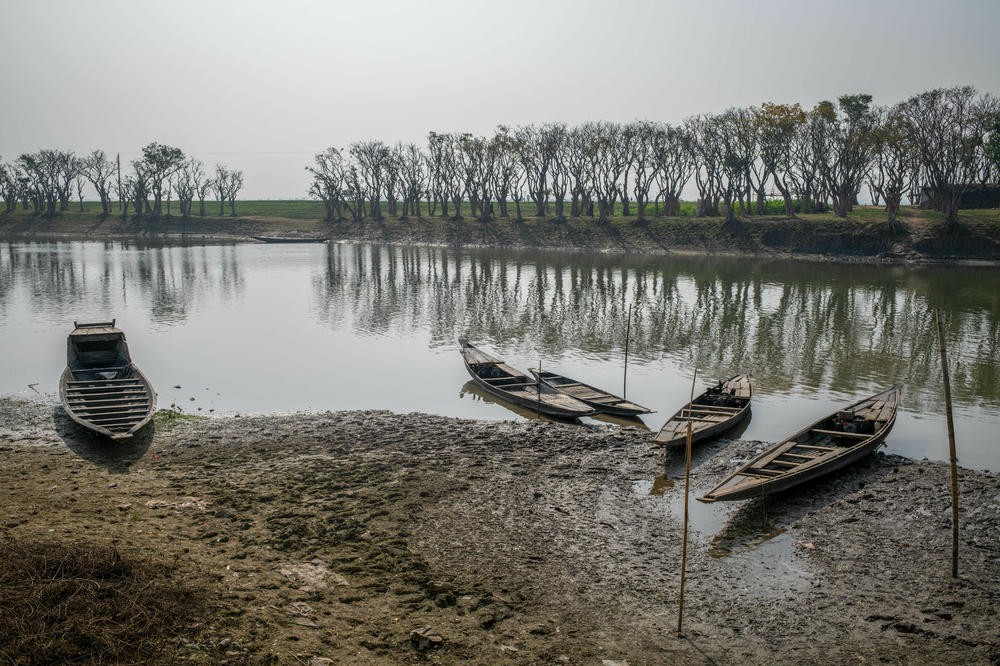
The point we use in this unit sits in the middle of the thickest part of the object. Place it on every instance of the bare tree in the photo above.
(945, 127)
(187, 182)
(561, 178)
(80, 182)
(674, 163)
(478, 161)
(647, 137)
(844, 148)
(10, 185)
(68, 168)
(508, 169)
(777, 127)
(221, 186)
(372, 159)
(41, 178)
(234, 187)
(536, 151)
(607, 161)
(437, 172)
(576, 165)
(99, 170)
(328, 182)
(893, 162)
(137, 187)
(412, 177)
(708, 164)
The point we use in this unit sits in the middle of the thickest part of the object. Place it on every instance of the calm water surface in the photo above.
(259, 328)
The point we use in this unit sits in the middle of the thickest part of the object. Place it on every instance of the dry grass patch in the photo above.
(86, 603)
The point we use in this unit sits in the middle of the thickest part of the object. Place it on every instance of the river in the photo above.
(250, 328)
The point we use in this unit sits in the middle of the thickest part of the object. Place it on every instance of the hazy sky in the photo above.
(262, 86)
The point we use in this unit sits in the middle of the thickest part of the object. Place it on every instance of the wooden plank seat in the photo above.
(101, 415)
(838, 433)
(87, 396)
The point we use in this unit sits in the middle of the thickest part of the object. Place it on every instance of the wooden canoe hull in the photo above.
(747, 482)
(611, 404)
(279, 239)
(115, 408)
(674, 431)
(527, 394)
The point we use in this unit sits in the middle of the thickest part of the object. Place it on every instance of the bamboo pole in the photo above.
(628, 330)
(538, 403)
(687, 490)
(951, 447)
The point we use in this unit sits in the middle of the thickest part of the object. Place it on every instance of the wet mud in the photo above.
(375, 537)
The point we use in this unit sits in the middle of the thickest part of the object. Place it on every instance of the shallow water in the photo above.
(258, 328)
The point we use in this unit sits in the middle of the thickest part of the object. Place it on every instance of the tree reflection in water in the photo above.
(797, 326)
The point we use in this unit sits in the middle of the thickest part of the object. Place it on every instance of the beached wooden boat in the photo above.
(720, 408)
(832, 442)
(503, 381)
(598, 399)
(288, 239)
(101, 388)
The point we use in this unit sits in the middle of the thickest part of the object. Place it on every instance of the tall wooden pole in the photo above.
(538, 403)
(687, 489)
(951, 448)
(628, 330)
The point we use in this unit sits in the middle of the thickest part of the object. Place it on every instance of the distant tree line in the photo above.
(46, 181)
(943, 139)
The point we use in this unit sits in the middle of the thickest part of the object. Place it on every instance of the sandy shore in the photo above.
(334, 535)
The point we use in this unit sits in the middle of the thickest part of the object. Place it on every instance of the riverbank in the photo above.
(859, 238)
(335, 535)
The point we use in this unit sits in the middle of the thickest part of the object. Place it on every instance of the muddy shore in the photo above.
(334, 535)
(853, 240)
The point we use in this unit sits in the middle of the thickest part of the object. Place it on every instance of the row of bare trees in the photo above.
(46, 182)
(738, 159)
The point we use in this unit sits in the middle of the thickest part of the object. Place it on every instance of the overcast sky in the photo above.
(262, 86)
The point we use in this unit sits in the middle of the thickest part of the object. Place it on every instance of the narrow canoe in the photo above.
(288, 239)
(503, 381)
(718, 409)
(101, 388)
(834, 441)
(602, 401)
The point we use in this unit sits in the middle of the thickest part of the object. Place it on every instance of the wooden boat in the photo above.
(101, 388)
(718, 409)
(602, 401)
(288, 239)
(503, 381)
(832, 442)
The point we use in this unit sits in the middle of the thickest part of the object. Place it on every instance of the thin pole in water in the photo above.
(628, 330)
(687, 489)
(538, 403)
(951, 447)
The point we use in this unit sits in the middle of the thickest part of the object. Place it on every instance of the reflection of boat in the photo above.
(600, 400)
(500, 379)
(625, 421)
(288, 239)
(472, 388)
(101, 388)
(718, 409)
(827, 445)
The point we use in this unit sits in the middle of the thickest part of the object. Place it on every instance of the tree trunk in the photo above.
(625, 202)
